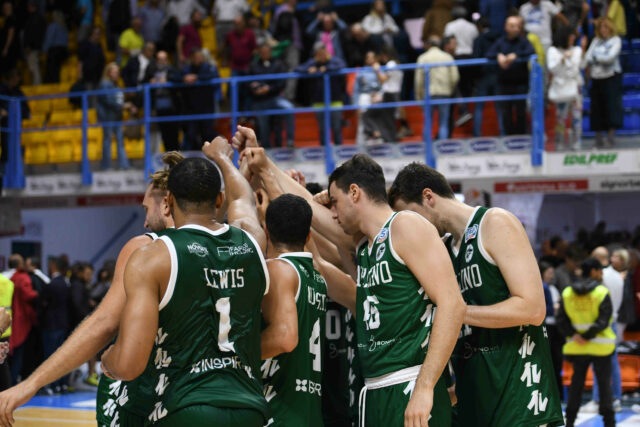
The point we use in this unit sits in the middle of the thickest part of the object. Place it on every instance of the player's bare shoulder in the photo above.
(408, 222)
(498, 221)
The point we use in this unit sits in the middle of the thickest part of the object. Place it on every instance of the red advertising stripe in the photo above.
(559, 185)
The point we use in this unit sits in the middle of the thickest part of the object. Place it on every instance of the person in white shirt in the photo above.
(384, 119)
(182, 10)
(380, 24)
(538, 15)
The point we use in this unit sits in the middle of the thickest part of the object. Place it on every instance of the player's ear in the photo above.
(219, 200)
(166, 210)
(427, 196)
(354, 192)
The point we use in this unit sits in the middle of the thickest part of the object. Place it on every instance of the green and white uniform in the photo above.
(393, 317)
(207, 347)
(293, 381)
(504, 377)
(126, 403)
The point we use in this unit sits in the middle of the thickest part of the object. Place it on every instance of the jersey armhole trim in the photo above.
(393, 251)
(297, 273)
(262, 260)
(483, 251)
(174, 272)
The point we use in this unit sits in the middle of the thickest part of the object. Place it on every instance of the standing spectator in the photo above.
(239, 47)
(328, 28)
(225, 13)
(183, 10)
(55, 44)
(55, 302)
(366, 91)
(436, 19)
(584, 317)
(563, 61)
(165, 100)
(9, 87)
(380, 24)
(110, 108)
(91, 58)
(135, 72)
(263, 35)
(603, 61)
(79, 308)
(575, 11)
(320, 64)
(32, 39)
(566, 273)
(442, 81)
(358, 43)
(33, 353)
(6, 296)
(189, 37)
(615, 12)
(512, 51)
(537, 15)
(487, 82)
(130, 41)
(496, 12)
(552, 303)
(267, 95)
(152, 16)
(9, 44)
(285, 28)
(84, 10)
(390, 84)
(199, 99)
(118, 19)
(24, 312)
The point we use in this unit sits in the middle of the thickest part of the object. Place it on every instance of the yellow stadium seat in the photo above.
(61, 145)
(61, 104)
(35, 121)
(93, 116)
(51, 88)
(134, 148)
(40, 106)
(61, 118)
(29, 90)
(36, 150)
(206, 23)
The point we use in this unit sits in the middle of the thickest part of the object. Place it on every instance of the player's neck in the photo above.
(204, 220)
(457, 215)
(373, 218)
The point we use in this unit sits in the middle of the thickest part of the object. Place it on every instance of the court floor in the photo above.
(78, 410)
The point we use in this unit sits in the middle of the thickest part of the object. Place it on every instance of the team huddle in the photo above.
(262, 304)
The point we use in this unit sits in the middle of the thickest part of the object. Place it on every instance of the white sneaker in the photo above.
(592, 407)
(617, 406)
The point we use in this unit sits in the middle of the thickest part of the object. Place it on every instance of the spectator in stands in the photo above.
(512, 52)
(9, 87)
(285, 28)
(91, 57)
(153, 17)
(328, 28)
(84, 11)
(79, 308)
(436, 18)
(366, 91)
(165, 99)
(380, 24)
(537, 15)
(552, 302)
(357, 45)
(255, 24)
(616, 13)
(496, 12)
(442, 81)
(563, 61)
(32, 40)
(55, 44)
(55, 301)
(567, 272)
(267, 95)
(225, 13)
(390, 79)
(603, 62)
(9, 38)
(487, 82)
(110, 109)
(239, 47)
(318, 65)
(6, 296)
(137, 69)
(189, 38)
(130, 41)
(199, 99)
(575, 11)
(118, 19)
(183, 10)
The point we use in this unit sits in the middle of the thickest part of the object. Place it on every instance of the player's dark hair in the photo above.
(159, 178)
(414, 178)
(544, 266)
(588, 265)
(363, 171)
(314, 187)
(195, 184)
(288, 220)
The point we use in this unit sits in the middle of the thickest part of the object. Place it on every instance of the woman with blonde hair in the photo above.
(603, 60)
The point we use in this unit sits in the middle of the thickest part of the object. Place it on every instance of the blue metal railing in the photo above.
(15, 173)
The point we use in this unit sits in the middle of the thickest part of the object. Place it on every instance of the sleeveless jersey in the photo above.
(394, 314)
(207, 347)
(114, 398)
(504, 377)
(293, 381)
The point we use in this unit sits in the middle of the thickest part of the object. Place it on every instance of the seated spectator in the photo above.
(436, 18)
(320, 64)
(512, 52)
(55, 44)
(327, 28)
(442, 81)
(153, 17)
(189, 38)
(380, 24)
(131, 41)
(267, 95)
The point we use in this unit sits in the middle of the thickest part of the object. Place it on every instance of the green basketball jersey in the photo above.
(504, 377)
(293, 381)
(394, 314)
(207, 347)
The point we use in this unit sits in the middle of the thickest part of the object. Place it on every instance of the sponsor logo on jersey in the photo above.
(471, 233)
(468, 253)
(211, 364)
(308, 386)
(197, 249)
(243, 249)
(380, 251)
(384, 233)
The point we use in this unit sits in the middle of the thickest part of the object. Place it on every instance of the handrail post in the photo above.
(146, 92)
(429, 158)
(329, 163)
(536, 93)
(233, 85)
(15, 170)
(85, 167)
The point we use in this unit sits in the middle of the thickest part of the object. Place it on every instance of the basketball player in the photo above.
(502, 363)
(193, 301)
(403, 274)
